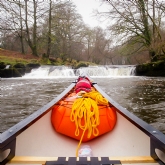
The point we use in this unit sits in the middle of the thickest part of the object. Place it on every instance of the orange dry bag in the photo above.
(67, 120)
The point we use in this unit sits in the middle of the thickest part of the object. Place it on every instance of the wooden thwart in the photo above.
(42, 160)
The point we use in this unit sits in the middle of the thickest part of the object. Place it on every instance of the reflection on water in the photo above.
(145, 97)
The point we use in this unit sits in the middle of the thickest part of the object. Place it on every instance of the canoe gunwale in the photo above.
(8, 138)
(148, 129)
(157, 138)
(22, 125)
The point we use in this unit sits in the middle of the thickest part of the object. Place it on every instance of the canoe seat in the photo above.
(81, 160)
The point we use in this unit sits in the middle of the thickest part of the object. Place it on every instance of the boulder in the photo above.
(18, 70)
(8, 73)
(21, 68)
(80, 65)
(2, 65)
(19, 65)
(155, 69)
(33, 65)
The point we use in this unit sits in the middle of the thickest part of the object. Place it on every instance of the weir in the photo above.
(93, 71)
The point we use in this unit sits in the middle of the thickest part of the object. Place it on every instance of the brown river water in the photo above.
(143, 96)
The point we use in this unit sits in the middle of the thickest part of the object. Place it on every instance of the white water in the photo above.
(94, 71)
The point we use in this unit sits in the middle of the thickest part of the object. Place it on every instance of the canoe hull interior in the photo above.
(41, 140)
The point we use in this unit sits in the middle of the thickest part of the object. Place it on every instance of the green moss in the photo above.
(44, 61)
(151, 69)
(13, 61)
(12, 72)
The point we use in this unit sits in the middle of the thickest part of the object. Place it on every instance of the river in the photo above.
(143, 96)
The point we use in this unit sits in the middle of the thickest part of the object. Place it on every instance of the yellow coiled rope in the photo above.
(97, 97)
(86, 109)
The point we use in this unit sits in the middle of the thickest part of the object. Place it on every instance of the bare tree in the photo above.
(54, 28)
(49, 28)
(99, 47)
(35, 12)
(31, 38)
(97, 44)
(21, 28)
(12, 20)
(138, 21)
(67, 29)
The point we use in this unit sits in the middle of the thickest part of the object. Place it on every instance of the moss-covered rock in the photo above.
(21, 68)
(154, 69)
(22, 71)
(18, 70)
(33, 65)
(19, 65)
(160, 65)
(80, 65)
(2, 65)
(8, 73)
(28, 70)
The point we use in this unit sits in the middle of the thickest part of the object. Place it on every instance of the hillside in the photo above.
(13, 57)
(8, 56)
(19, 64)
(15, 64)
(15, 54)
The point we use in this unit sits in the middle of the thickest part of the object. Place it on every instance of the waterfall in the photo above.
(7, 67)
(94, 71)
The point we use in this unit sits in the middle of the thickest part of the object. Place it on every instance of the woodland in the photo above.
(53, 29)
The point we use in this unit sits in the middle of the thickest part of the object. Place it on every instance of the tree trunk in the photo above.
(49, 31)
(146, 31)
(21, 36)
(35, 30)
(31, 45)
(153, 55)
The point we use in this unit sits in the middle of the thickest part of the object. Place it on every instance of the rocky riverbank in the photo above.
(17, 70)
(155, 69)
(16, 64)
(152, 69)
